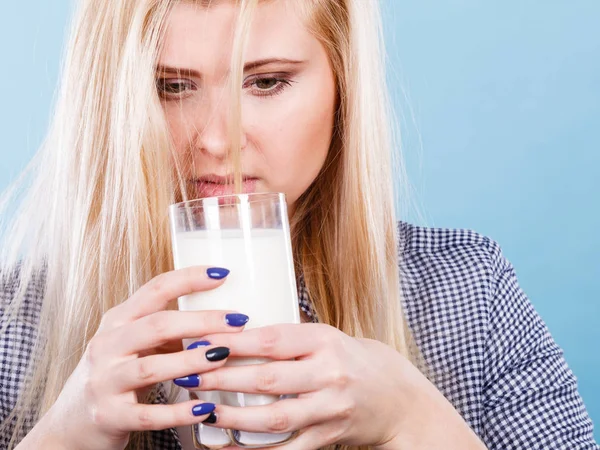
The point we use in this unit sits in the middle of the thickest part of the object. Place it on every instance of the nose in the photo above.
(214, 136)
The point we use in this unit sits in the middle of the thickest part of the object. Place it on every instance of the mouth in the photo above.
(215, 185)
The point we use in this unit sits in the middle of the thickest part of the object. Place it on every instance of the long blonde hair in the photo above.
(93, 221)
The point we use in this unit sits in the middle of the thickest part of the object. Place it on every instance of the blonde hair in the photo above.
(93, 222)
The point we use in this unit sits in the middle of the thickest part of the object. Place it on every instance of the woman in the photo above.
(163, 101)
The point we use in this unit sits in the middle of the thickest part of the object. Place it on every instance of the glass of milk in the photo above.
(249, 235)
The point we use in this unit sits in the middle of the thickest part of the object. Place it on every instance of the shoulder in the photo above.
(451, 270)
(440, 247)
(448, 272)
(450, 282)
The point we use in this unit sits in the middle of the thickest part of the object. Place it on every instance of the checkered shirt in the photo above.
(487, 349)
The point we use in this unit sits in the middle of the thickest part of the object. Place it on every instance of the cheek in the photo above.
(180, 125)
(294, 138)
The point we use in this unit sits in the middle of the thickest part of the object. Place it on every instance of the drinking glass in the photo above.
(249, 235)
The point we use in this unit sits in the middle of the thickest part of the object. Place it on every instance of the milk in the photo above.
(261, 284)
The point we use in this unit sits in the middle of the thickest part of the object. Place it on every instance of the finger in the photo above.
(141, 372)
(283, 416)
(279, 377)
(142, 417)
(161, 290)
(315, 437)
(285, 341)
(162, 327)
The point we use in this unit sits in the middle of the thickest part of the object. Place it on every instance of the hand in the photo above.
(351, 391)
(98, 407)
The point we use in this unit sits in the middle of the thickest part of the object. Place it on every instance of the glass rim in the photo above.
(200, 201)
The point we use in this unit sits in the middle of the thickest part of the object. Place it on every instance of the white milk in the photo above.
(262, 285)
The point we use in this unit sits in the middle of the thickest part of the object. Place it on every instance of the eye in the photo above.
(265, 86)
(174, 87)
(266, 83)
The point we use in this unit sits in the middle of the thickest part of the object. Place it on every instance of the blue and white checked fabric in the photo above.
(487, 349)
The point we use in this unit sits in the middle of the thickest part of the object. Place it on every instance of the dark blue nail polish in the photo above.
(198, 344)
(217, 273)
(236, 320)
(202, 409)
(191, 381)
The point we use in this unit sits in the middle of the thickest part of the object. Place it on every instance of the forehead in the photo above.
(199, 34)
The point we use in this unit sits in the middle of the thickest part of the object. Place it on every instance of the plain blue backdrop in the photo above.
(499, 106)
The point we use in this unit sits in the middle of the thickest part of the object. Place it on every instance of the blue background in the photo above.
(500, 110)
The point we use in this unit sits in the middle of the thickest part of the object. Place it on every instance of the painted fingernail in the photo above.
(236, 320)
(217, 273)
(211, 419)
(188, 382)
(198, 344)
(217, 354)
(203, 408)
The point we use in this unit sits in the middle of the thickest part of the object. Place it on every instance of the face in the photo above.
(288, 99)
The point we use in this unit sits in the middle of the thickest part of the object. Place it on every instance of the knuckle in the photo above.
(158, 324)
(145, 419)
(339, 379)
(336, 338)
(94, 351)
(324, 334)
(268, 339)
(323, 341)
(346, 410)
(278, 422)
(157, 284)
(324, 328)
(204, 320)
(113, 318)
(107, 320)
(145, 371)
(100, 417)
(190, 277)
(190, 360)
(213, 380)
(93, 389)
(266, 380)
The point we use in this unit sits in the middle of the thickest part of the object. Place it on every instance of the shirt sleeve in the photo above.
(530, 394)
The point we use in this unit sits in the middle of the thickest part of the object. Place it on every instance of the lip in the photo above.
(215, 185)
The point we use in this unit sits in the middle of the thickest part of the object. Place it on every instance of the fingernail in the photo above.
(188, 382)
(203, 408)
(198, 344)
(217, 354)
(236, 320)
(217, 273)
(211, 419)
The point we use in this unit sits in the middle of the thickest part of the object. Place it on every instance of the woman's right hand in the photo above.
(98, 407)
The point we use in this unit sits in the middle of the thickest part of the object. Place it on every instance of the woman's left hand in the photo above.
(351, 391)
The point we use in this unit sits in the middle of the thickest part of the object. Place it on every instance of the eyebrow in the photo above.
(247, 67)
